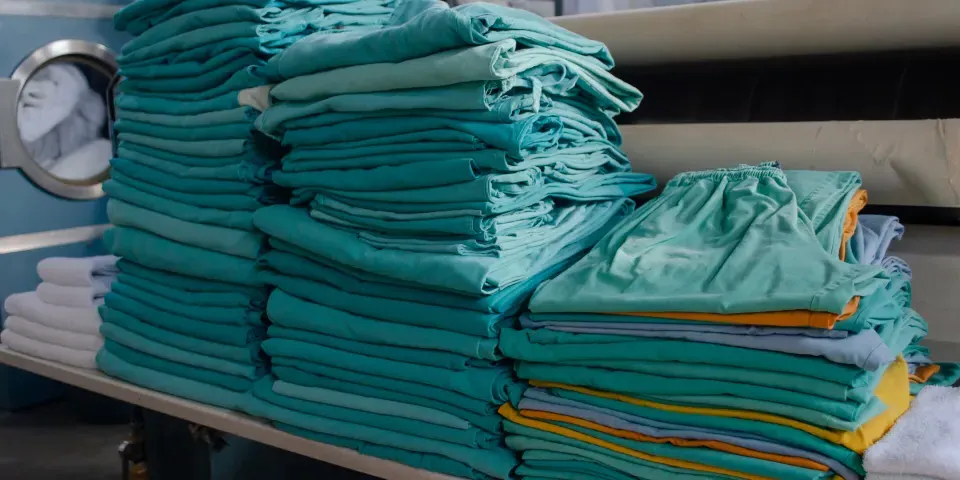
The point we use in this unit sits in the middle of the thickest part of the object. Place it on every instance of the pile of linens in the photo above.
(186, 313)
(59, 320)
(743, 324)
(440, 169)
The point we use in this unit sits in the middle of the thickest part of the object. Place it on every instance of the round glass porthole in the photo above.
(63, 117)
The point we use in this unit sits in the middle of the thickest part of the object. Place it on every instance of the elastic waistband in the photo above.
(764, 170)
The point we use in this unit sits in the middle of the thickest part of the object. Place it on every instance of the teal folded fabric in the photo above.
(220, 117)
(230, 61)
(258, 155)
(225, 315)
(330, 302)
(488, 422)
(162, 254)
(824, 197)
(212, 80)
(242, 220)
(166, 106)
(209, 299)
(248, 354)
(211, 38)
(494, 462)
(139, 16)
(257, 295)
(177, 386)
(226, 131)
(236, 335)
(146, 174)
(228, 202)
(492, 385)
(140, 359)
(242, 243)
(239, 80)
(200, 148)
(370, 405)
(247, 172)
(418, 31)
(142, 344)
(689, 210)
(567, 470)
(471, 275)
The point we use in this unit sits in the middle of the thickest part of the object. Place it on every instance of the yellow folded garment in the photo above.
(680, 442)
(508, 412)
(893, 390)
(784, 318)
(923, 374)
(857, 203)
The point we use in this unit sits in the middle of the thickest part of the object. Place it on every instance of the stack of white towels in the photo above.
(59, 321)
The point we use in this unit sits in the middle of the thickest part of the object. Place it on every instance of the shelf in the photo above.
(216, 418)
(738, 29)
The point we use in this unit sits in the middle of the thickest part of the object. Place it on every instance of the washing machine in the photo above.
(53, 159)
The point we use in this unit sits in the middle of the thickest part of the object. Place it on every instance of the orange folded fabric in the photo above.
(784, 318)
(923, 374)
(857, 203)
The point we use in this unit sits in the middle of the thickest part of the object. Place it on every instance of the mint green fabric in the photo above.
(492, 385)
(238, 172)
(497, 462)
(541, 457)
(242, 243)
(567, 470)
(149, 104)
(190, 283)
(146, 174)
(948, 376)
(471, 275)
(823, 197)
(289, 311)
(220, 117)
(162, 254)
(369, 404)
(248, 354)
(203, 375)
(426, 461)
(212, 314)
(488, 422)
(203, 392)
(470, 437)
(339, 304)
(257, 198)
(779, 433)
(190, 134)
(236, 335)
(209, 299)
(142, 344)
(755, 213)
(210, 216)
(430, 358)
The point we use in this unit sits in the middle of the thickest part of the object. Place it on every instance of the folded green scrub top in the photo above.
(139, 16)
(733, 222)
(237, 219)
(166, 106)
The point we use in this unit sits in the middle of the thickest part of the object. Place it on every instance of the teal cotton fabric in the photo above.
(756, 214)
(189, 283)
(241, 220)
(213, 314)
(218, 379)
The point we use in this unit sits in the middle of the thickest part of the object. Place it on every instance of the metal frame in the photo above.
(92, 54)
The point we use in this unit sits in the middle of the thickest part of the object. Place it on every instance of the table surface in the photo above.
(217, 418)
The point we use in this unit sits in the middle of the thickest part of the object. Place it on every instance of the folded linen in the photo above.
(255, 198)
(72, 319)
(42, 333)
(48, 351)
(257, 294)
(210, 298)
(153, 176)
(76, 272)
(245, 171)
(148, 104)
(238, 219)
(140, 359)
(924, 441)
(79, 297)
(873, 237)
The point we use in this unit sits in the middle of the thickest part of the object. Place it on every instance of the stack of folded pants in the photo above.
(59, 321)
(440, 169)
(186, 315)
(723, 330)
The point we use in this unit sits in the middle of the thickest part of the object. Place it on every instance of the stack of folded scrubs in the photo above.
(734, 327)
(440, 169)
(59, 320)
(186, 314)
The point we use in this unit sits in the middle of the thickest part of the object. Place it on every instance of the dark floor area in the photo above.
(50, 443)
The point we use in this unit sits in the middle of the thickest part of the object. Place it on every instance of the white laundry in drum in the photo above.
(61, 121)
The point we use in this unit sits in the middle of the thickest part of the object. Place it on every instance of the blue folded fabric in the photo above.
(177, 386)
(242, 243)
(468, 274)
(162, 254)
(140, 359)
(872, 238)
(237, 219)
(543, 320)
(289, 311)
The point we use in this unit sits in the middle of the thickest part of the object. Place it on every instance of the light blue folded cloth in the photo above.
(242, 243)
(491, 385)
(170, 384)
(238, 219)
(543, 320)
(243, 172)
(140, 359)
(467, 274)
(220, 315)
(289, 311)
(235, 335)
(419, 29)
(872, 238)
(162, 254)
(142, 344)
(166, 106)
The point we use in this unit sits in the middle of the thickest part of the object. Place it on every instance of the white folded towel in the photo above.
(84, 297)
(42, 333)
(56, 353)
(924, 442)
(76, 272)
(28, 305)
